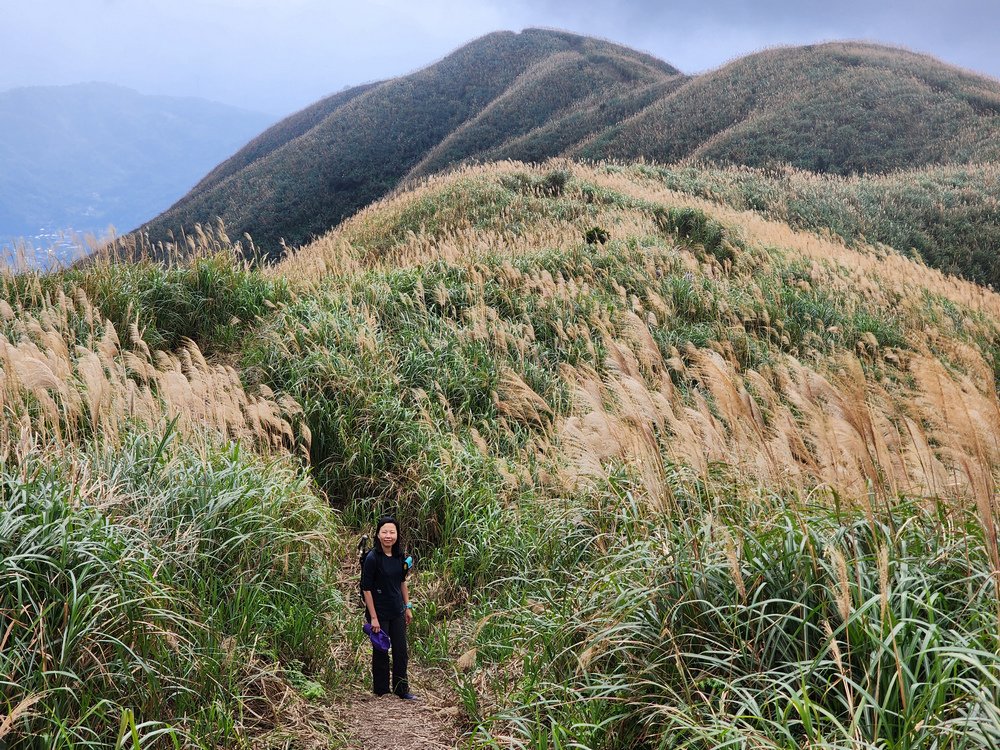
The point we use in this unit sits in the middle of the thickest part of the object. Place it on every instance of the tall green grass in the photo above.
(160, 586)
(740, 618)
(213, 299)
(173, 589)
(401, 371)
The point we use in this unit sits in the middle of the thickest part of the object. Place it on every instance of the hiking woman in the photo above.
(387, 607)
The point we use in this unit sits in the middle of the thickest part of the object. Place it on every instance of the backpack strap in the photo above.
(376, 561)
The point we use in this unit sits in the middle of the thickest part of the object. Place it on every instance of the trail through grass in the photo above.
(695, 480)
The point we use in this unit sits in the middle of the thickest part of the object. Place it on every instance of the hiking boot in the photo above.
(408, 696)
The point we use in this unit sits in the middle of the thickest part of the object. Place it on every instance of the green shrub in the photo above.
(693, 226)
(596, 236)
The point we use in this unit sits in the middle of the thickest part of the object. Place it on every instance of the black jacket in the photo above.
(383, 576)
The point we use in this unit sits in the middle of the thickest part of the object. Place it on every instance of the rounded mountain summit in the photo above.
(839, 108)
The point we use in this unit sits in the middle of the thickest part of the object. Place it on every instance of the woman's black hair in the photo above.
(397, 548)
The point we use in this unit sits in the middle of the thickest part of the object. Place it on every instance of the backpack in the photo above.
(363, 550)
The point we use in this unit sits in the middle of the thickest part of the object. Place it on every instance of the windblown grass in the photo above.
(166, 563)
(68, 376)
(948, 217)
(834, 585)
(707, 480)
(148, 583)
(695, 332)
(740, 619)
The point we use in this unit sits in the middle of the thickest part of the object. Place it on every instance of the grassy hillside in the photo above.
(563, 84)
(362, 150)
(712, 481)
(837, 108)
(275, 137)
(947, 217)
(840, 108)
(676, 474)
(91, 155)
(567, 129)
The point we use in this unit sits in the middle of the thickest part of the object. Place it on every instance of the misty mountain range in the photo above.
(838, 108)
(85, 156)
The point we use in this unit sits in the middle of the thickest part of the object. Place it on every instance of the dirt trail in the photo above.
(372, 722)
(387, 723)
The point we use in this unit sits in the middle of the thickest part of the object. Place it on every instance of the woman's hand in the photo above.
(375, 626)
(408, 615)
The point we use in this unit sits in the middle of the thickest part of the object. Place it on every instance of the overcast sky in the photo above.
(277, 56)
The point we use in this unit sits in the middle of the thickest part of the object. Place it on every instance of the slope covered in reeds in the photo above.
(839, 108)
(676, 475)
(946, 217)
(322, 165)
(749, 299)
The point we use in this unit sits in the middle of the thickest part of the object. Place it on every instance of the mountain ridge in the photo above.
(831, 63)
(328, 165)
(839, 107)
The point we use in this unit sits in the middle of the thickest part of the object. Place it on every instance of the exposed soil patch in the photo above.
(386, 722)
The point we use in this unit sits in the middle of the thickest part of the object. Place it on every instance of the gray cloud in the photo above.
(279, 55)
(697, 36)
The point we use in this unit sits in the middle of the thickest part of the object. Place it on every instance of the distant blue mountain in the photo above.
(87, 156)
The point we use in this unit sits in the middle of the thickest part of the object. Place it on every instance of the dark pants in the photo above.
(395, 628)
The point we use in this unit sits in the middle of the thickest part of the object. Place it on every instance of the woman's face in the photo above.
(388, 534)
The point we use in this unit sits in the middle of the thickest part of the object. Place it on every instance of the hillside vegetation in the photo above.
(676, 475)
(500, 84)
(839, 108)
(947, 217)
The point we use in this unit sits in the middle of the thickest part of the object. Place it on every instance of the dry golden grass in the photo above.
(931, 430)
(359, 243)
(836, 427)
(879, 275)
(59, 385)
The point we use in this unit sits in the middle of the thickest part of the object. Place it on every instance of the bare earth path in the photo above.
(388, 723)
